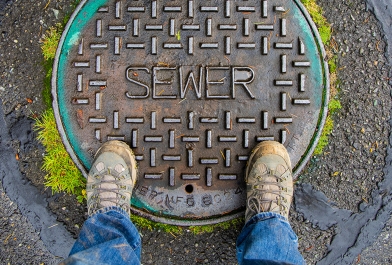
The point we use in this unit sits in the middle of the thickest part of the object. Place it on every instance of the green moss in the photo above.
(332, 64)
(145, 223)
(333, 106)
(316, 13)
(325, 34)
(177, 230)
(210, 228)
(49, 47)
(62, 174)
(323, 141)
(46, 92)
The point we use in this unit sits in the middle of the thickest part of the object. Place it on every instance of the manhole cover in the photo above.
(191, 86)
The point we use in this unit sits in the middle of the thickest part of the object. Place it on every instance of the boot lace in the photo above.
(268, 200)
(114, 186)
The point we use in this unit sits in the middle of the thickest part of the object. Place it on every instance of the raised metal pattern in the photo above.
(192, 86)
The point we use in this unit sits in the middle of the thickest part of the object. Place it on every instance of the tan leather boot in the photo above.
(112, 177)
(269, 180)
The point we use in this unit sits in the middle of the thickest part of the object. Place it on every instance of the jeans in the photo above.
(109, 237)
(267, 238)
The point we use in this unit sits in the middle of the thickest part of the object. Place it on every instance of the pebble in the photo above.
(56, 13)
(357, 146)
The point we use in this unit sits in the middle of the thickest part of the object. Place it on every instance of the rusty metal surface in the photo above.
(191, 86)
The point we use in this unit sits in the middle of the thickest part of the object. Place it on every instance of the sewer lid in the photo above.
(192, 86)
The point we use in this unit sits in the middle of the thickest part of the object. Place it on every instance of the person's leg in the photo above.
(267, 237)
(108, 236)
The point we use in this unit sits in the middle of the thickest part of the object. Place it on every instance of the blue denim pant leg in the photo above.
(107, 237)
(267, 238)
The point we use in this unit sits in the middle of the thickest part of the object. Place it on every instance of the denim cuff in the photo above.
(111, 209)
(264, 216)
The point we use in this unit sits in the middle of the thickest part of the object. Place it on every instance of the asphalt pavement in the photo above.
(343, 201)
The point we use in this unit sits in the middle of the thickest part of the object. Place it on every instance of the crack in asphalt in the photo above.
(31, 202)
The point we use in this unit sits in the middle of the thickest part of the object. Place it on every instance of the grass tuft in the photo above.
(50, 41)
(62, 174)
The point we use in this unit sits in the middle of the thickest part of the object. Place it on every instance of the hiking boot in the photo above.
(111, 177)
(269, 180)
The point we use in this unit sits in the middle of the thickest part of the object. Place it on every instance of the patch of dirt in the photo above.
(69, 211)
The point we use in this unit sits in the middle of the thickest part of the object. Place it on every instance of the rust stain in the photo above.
(80, 118)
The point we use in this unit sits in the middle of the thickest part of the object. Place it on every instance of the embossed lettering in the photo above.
(189, 79)
(154, 194)
(206, 200)
(220, 82)
(135, 73)
(143, 190)
(190, 200)
(242, 76)
(167, 203)
(176, 200)
(212, 82)
(156, 81)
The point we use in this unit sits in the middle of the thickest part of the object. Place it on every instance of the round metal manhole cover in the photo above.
(191, 86)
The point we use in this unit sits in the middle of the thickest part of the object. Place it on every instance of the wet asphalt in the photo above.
(32, 234)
